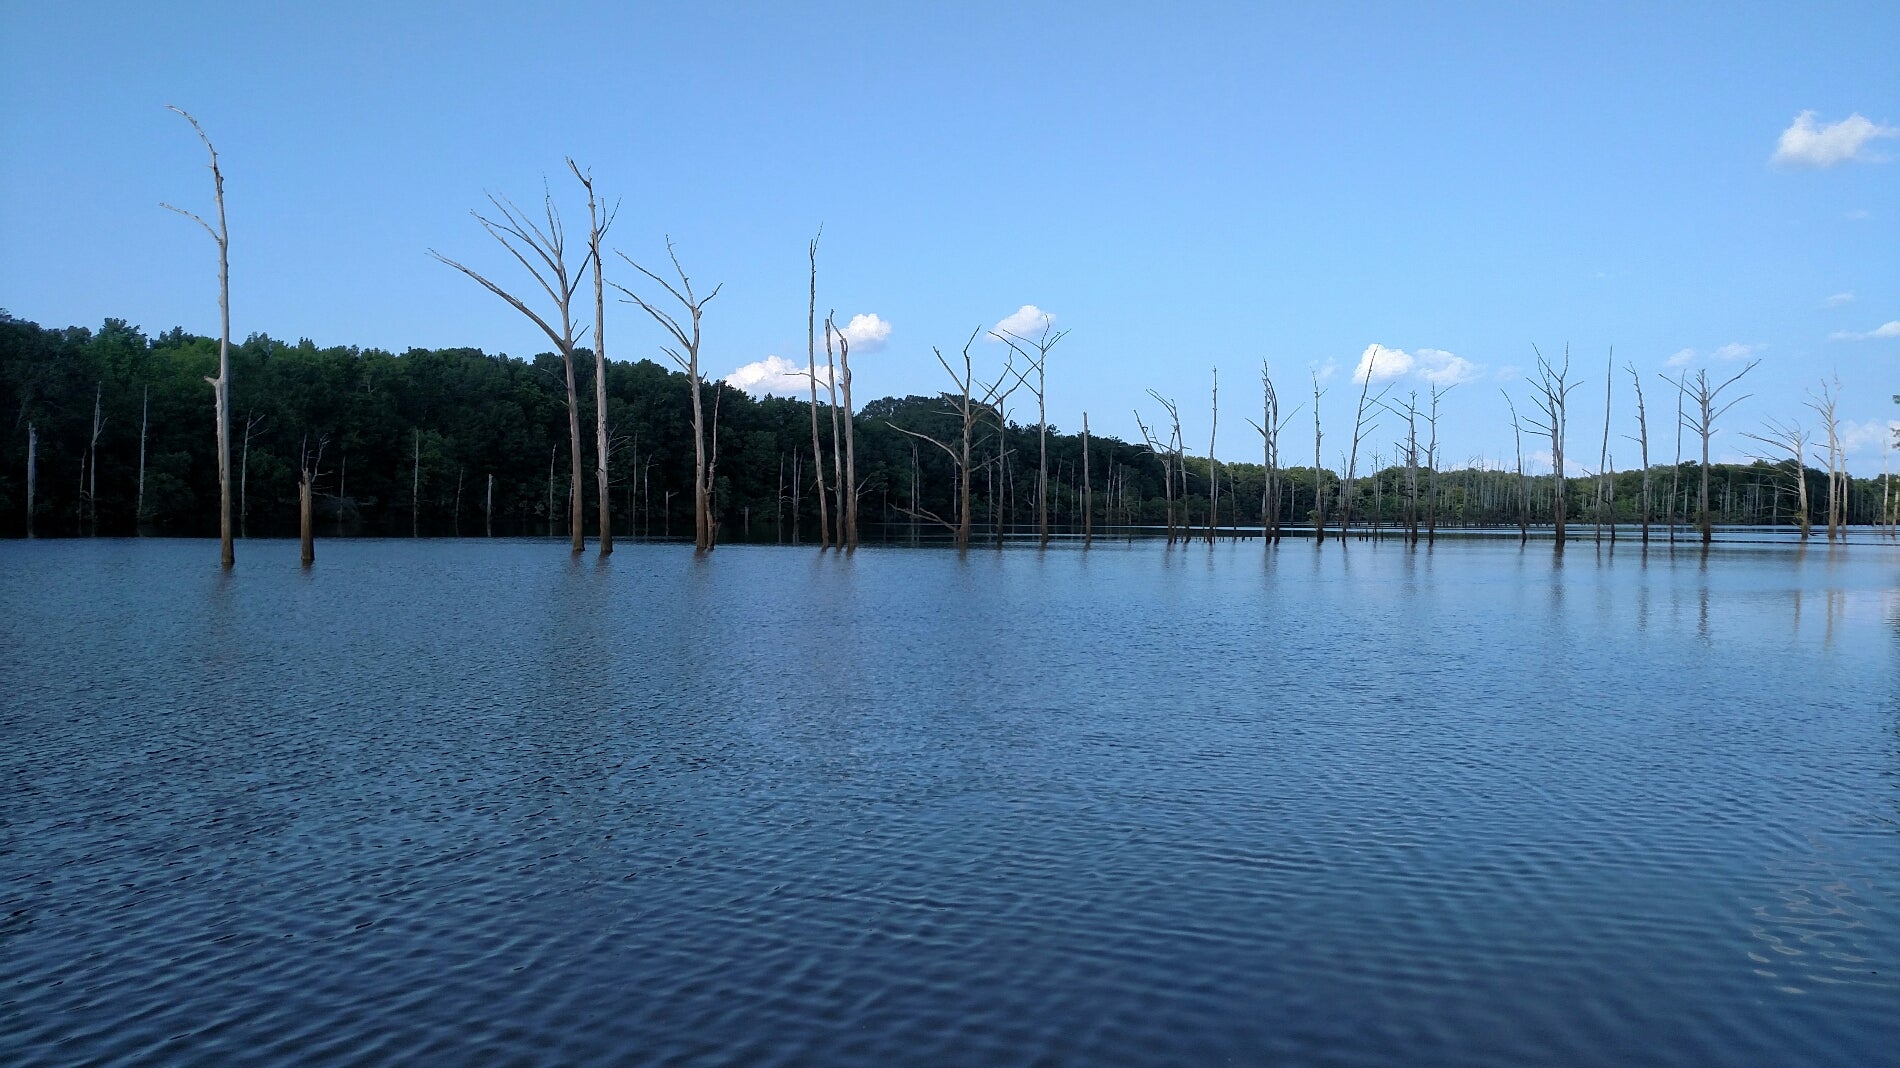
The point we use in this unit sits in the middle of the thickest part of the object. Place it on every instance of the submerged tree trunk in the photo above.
(598, 222)
(145, 408)
(811, 378)
(686, 355)
(32, 473)
(1088, 504)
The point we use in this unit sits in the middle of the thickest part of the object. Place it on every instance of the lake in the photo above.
(476, 801)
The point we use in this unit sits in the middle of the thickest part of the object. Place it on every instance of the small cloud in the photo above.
(1869, 436)
(1735, 350)
(1027, 321)
(1325, 371)
(774, 374)
(1441, 368)
(1682, 358)
(867, 333)
(1838, 299)
(1509, 373)
(1807, 144)
(1379, 362)
(1884, 330)
(1860, 213)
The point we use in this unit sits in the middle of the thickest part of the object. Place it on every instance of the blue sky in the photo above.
(1183, 190)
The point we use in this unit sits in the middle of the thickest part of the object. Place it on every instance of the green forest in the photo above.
(114, 429)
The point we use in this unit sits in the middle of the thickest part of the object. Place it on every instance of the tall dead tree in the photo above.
(811, 377)
(32, 473)
(1270, 425)
(1523, 481)
(1792, 439)
(542, 249)
(599, 219)
(1642, 440)
(221, 385)
(1213, 473)
(685, 353)
(145, 411)
(92, 458)
(1319, 488)
(1038, 363)
(850, 482)
(964, 406)
(251, 422)
(838, 488)
(1823, 405)
(1088, 506)
(1606, 485)
(1431, 459)
(1551, 393)
(1365, 420)
(1173, 464)
(1707, 408)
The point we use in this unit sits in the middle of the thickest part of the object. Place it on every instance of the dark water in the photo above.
(453, 802)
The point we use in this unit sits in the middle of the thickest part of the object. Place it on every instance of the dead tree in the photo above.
(1552, 397)
(1039, 363)
(92, 458)
(308, 464)
(1319, 495)
(1088, 514)
(1606, 485)
(1675, 474)
(1823, 405)
(1707, 409)
(964, 406)
(599, 219)
(32, 473)
(850, 481)
(838, 488)
(543, 251)
(811, 377)
(1360, 427)
(1173, 464)
(221, 385)
(415, 491)
(1431, 459)
(1642, 440)
(145, 411)
(1270, 425)
(251, 422)
(1523, 481)
(1213, 475)
(1792, 439)
(685, 353)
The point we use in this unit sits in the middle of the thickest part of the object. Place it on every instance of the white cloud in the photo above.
(774, 374)
(1869, 436)
(1682, 358)
(1441, 368)
(1027, 321)
(1806, 144)
(1436, 366)
(1324, 372)
(1509, 373)
(1735, 350)
(867, 333)
(1884, 330)
(1839, 299)
(1379, 363)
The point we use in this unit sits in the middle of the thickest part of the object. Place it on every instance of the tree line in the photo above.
(108, 426)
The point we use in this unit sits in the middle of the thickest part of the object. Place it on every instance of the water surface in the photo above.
(437, 802)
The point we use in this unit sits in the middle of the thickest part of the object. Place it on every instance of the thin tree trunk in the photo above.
(850, 446)
(221, 385)
(1213, 476)
(32, 473)
(597, 228)
(1319, 495)
(1088, 504)
(488, 509)
(145, 408)
(306, 535)
(415, 491)
(811, 359)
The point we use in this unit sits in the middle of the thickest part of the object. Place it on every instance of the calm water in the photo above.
(450, 802)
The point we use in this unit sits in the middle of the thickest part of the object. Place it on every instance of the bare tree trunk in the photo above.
(548, 247)
(597, 228)
(1523, 482)
(838, 487)
(32, 473)
(92, 459)
(1359, 428)
(811, 376)
(251, 423)
(145, 408)
(850, 442)
(1824, 406)
(1088, 503)
(687, 356)
(967, 413)
(1319, 482)
(1703, 422)
(415, 491)
(1553, 398)
(488, 509)
(1431, 504)
(1642, 438)
(1213, 475)
(221, 385)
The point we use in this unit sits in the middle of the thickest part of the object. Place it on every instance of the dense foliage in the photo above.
(411, 440)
